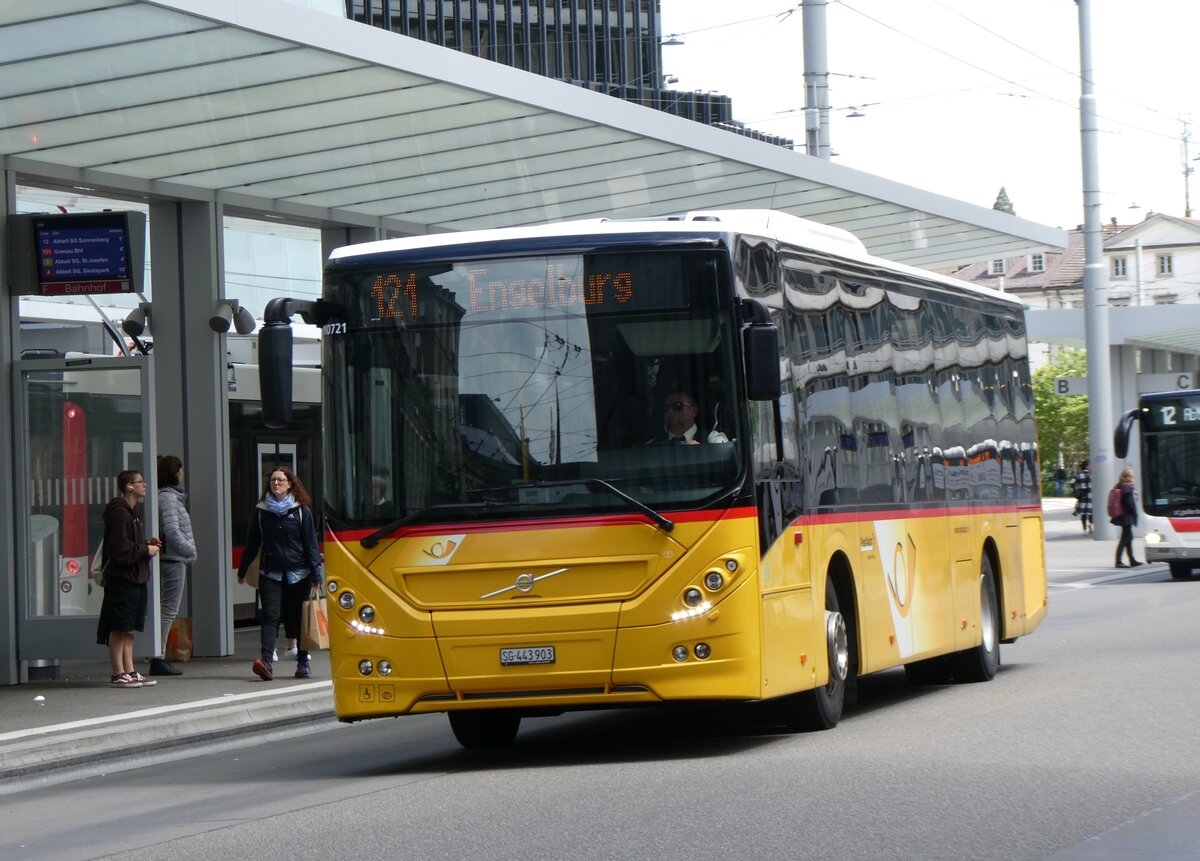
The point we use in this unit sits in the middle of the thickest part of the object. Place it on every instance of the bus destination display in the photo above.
(1174, 413)
(76, 257)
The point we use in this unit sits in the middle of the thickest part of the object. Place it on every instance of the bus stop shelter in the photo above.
(264, 109)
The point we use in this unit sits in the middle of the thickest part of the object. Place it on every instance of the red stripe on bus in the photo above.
(556, 523)
(1182, 524)
(912, 513)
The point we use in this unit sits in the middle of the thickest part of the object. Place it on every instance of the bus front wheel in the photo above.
(485, 729)
(979, 663)
(1181, 570)
(822, 708)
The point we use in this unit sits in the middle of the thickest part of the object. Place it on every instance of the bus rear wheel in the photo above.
(822, 708)
(1181, 570)
(485, 729)
(979, 663)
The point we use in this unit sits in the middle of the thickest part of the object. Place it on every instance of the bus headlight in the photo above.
(713, 581)
(1154, 538)
(367, 613)
(346, 600)
(692, 597)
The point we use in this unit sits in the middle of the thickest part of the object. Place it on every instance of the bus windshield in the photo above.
(528, 386)
(1171, 472)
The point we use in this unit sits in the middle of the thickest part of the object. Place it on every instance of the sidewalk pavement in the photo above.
(77, 719)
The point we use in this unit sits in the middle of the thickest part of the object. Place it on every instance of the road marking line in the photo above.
(161, 710)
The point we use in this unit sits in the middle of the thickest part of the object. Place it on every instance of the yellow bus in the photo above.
(719, 456)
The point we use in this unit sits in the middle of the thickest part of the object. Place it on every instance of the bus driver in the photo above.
(679, 422)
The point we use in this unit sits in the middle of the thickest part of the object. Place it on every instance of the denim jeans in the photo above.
(171, 573)
(281, 601)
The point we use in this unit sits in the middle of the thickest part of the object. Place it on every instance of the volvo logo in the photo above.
(524, 583)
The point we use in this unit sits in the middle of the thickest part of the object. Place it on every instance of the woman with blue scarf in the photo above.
(282, 526)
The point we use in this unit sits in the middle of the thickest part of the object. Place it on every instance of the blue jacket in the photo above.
(288, 541)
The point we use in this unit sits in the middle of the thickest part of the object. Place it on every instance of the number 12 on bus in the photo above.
(727, 456)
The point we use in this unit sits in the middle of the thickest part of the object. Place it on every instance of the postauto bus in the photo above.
(857, 491)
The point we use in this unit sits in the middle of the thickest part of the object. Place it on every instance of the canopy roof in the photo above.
(275, 109)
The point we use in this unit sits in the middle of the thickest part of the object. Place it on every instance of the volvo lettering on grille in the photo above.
(524, 583)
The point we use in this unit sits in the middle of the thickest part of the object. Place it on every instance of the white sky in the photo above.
(962, 97)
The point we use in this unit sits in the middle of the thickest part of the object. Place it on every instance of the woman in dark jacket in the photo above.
(1127, 519)
(127, 554)
(282, 526)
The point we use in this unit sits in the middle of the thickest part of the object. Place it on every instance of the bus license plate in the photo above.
(528, 655)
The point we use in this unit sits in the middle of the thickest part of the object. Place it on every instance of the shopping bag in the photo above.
(179, 641)
(314, 634)
(98, 563)
(252, 571)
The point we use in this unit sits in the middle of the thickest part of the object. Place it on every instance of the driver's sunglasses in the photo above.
(675, 406)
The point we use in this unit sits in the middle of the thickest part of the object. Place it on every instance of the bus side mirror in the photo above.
(1121, 434)
(760, 348)
(275, 373)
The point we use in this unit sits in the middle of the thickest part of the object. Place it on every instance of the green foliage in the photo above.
(1062, 422)
(1003, 203)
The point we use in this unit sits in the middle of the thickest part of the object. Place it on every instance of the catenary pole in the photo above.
(1095, 289)
(816, 79)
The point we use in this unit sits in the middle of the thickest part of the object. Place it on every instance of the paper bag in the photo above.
(314, 634)
(179, 641)
(252, 571)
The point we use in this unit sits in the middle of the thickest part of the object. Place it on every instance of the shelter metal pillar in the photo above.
(9, 345)
(336, 237)
(191, 388)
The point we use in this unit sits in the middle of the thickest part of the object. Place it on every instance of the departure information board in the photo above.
(83, 255)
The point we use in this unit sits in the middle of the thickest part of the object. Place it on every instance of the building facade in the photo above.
(611, 46)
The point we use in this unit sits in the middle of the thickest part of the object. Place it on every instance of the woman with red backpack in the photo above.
(1122, 511)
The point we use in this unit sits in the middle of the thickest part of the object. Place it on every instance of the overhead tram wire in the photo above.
(1069, 105)
(1073, 72)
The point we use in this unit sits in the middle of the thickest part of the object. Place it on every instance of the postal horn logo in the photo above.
(902, 579)
(440, 550)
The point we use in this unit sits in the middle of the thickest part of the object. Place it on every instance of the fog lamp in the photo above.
(365, 667)
(331, 586)
(385, 668)
(730, 565)
(680, 653)
(702, 650)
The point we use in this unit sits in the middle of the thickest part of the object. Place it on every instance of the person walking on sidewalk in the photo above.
(179, 551)
(1083, 495)
(1127, 518)
(127, 554)
(282, 527)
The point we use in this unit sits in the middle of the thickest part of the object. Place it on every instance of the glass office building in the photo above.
(611, 46)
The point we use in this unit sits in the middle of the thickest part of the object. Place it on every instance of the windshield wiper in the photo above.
(663, 523)
(379, 534)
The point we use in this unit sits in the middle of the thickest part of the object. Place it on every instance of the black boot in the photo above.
(162, 667)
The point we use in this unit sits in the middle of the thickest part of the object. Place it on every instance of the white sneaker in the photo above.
(274, 656)
(292, 653)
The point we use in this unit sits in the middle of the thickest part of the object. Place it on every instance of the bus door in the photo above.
(77, 423)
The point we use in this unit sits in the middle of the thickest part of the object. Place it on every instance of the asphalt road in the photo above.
(1085, 744)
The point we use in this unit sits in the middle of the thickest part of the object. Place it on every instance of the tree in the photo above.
(1003, 204)
(1062, 422)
